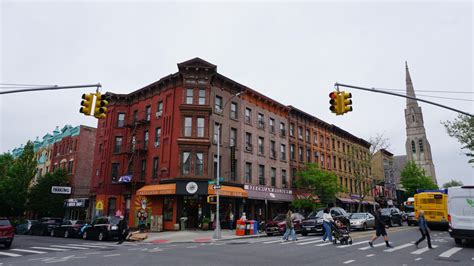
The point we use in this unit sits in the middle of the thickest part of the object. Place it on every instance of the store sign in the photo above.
(195, 187)
(268, 189)
(75, 202)
(99, 205)
(60, 190)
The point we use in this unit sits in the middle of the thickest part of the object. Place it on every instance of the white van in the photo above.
(461, 213)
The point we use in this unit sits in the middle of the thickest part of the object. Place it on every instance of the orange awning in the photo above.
(164, 189)
(228, 191)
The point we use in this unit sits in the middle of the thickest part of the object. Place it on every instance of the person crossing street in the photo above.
(290, 228)
(327, 219)
(379, 228)
(424, 229)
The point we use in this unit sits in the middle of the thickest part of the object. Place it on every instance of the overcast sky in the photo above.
(293, 53)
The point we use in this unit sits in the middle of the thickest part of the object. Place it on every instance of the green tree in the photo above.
(452, 183)
(41, 201)
(413, 178)
(14, 185)
(6, 160)
(462, 128)
(318, 182)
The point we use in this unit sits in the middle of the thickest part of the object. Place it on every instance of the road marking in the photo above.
(263, 240)
(71, 247)
(349, 261)
(192, 247)
(10, 254)
(111, 255)
(274, 241)
(92, 253)
(419, 251)
(53, 249)
(323, 244)
(376, 245)
(60, 259)
(44, 258)
(354, 244)
(450, 252)
(310, 242)
(28, 251)
(398, 247)
(417, 259)
(86, 245)
(370, 255)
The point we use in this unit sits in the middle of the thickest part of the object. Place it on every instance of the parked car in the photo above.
(278, 224)
(411, 219)
(314, 223)
(25, 227)
(7, 232)
(103, 228)
(392, 216)
(362, 220)
(69, 228)
(45, 226)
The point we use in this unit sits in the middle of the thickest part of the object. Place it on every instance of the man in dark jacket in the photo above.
(379, 228)
(123, 230)
(424, 229)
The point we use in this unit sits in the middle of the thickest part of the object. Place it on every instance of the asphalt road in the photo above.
(310, 250)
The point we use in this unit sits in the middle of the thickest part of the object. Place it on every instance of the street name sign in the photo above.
(216, 187)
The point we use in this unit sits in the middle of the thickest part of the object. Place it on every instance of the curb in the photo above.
(204, 240)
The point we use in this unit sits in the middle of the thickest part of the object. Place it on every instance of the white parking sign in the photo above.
(60, 190)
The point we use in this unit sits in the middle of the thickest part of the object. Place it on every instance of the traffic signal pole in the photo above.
(52, 88)
(401, 95)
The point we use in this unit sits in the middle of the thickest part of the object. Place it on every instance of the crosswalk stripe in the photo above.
(274, 241)
(376, 245)
(70, 247)
(353, 244)
(422, 250)
(323, 244)
(449, 252)
(349, 261)
(86, 245)
(398, 247)
(53, 249)
(28, 251)
(264, 240)
(310, 242)
(10, 254)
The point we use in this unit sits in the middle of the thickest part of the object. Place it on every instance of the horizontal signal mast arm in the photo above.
(52, 88)
(404, 96)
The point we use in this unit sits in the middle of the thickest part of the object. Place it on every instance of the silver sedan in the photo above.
(362, 220)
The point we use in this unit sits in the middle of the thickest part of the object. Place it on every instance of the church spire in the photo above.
(410, 90)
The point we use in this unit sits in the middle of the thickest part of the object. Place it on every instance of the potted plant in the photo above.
(205, 223)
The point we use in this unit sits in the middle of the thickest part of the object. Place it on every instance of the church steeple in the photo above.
(417, 146)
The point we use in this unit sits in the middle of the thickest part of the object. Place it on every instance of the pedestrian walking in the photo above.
(327, 219)
(290, 228)
(424, 229)
(379, 228)
(123, 230)
(231, 221)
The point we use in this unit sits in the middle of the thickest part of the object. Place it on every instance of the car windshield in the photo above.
(315, 214)
(385, 211)
(280, 217)
(114, 220)
(4, 223)
(358, 216)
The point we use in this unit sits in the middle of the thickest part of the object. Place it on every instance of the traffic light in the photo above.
(346, 102)
(336, 105)
(86, 103)
(100, 106)
(212, 199)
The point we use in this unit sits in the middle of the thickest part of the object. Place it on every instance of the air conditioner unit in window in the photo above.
(157, 144)
(158, 114)
(218, 110)
(248, 147)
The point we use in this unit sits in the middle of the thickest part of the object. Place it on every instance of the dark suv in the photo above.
(45, 226)
(392, 216)
(103, 228)
(314, 223)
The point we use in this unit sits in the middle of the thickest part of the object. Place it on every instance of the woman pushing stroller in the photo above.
(327, 219)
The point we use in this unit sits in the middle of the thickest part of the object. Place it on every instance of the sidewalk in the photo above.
(196, 236)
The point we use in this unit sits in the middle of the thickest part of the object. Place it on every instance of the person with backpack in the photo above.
(424, 229)
(379, 228)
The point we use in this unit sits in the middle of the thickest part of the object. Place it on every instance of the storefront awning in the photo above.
(228, 191)
(269, 193)
(163, 189)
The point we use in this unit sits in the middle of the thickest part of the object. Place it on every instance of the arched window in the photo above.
(413, 146)
(420, 144)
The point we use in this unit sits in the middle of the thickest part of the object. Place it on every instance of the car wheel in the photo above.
(52, 233)
(101, 236)
(364, 227)
(84, 235)
(66, 234)
(458, 241)
(391, 223)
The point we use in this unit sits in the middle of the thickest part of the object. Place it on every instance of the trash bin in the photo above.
(183, 221)
(247, 227)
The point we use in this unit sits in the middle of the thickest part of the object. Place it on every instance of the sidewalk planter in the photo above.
(205, 224)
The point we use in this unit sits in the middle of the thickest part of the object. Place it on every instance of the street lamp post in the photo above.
(217, 230)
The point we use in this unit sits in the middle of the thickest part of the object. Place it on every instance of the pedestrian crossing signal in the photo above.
(212, 199)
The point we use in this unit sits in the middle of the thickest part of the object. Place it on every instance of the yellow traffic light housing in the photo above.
(336, 104)
(86, 103)
(212, 199)
(346, 102)
(100, 106)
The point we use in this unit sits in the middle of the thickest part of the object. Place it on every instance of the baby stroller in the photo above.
(340, 233)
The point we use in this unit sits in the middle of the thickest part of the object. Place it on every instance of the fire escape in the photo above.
(136, 148)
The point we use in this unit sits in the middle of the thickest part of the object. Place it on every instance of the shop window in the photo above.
(168, 209)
